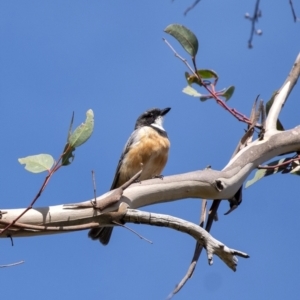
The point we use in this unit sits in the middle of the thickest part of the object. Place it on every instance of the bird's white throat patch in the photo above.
(158, 123)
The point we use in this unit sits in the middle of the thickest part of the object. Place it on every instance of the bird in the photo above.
(147, 148)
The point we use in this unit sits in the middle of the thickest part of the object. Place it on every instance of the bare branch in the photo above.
(198, 248)
(12, 265)
(254, 19)
(282, 95)
(207, 183)
(110, 199)
(285, 163)
(203, 213)
(247, 137)
(191, 7)
(180, 57)
(212, 246)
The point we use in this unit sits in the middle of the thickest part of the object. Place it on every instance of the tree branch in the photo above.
(254, 19)
(211, 245)
(191, 7)
(198, 248)
(207, 184)
(282, 95)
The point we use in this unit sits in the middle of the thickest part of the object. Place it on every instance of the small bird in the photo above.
(147, 148)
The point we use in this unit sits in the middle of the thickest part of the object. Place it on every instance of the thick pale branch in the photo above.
(211, 245)
(282, 96)
(208, 184)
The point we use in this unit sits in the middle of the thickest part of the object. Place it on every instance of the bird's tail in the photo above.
(102, 234)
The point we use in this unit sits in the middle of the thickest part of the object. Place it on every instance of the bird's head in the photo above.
(152, 117)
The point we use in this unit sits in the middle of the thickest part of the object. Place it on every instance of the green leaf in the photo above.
(83, 132)
(190, 78)
(266, 172)
(259, 174)
(269, 104)
(203, 73)
(205, 97)
(207, 74)
(68, 156)
(191, 92)
(185, 37)
(228, 93)
(296, 171)
(279, 126)
(295, 167)
(70, 127)
(37, 163)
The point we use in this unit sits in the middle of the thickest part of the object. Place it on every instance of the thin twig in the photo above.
(113, 197)
(198, 248)
(191, 7)
(13, 264)
(232, 111)
(133, 231)
(254, 19)
(296, 19)
(250, 130)
(116, 195)
(181, 58)
(94, 187)
(203, 213)
(11, 240)
(46, 181)
(279, 165)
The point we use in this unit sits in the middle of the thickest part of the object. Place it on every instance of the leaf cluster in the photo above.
(45, 162)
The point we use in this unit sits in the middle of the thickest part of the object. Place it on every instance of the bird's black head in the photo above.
(152, 117)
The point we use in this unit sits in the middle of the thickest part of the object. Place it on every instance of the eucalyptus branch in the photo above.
(280, 165)
(240, 117)
(282, 96)
(180, 57)
(207, 184)
(198, 248)
(42, 188)
(211, 245)
(254, 116)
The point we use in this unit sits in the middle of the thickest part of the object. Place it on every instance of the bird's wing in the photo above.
(130, 141)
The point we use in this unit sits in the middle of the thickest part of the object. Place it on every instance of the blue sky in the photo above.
(57, 57)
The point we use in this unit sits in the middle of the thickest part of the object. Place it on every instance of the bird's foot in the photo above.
(158, 176)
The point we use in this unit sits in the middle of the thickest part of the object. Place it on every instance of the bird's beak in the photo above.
(165, 111)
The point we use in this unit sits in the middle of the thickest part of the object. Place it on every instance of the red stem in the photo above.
(46, 181)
